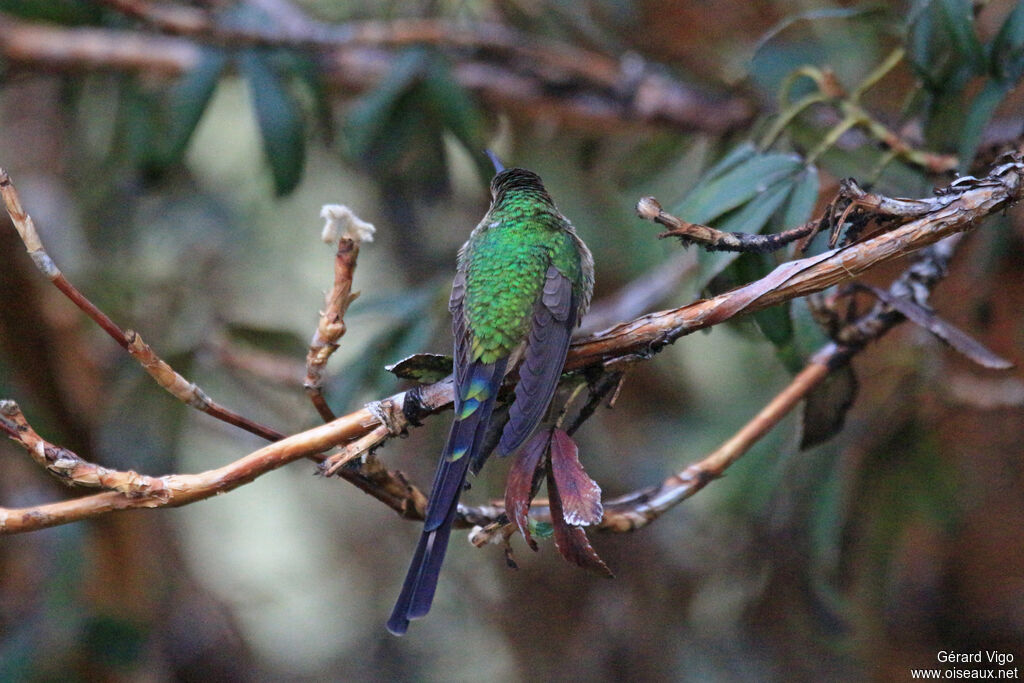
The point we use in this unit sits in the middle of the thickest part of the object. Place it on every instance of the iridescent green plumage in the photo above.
(524, 280)
(506, 259)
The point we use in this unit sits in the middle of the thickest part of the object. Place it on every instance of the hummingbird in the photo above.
(523, 281)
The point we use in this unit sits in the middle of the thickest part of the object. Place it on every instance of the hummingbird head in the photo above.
(519, 182)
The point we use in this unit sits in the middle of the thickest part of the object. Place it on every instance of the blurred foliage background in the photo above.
(176, 171)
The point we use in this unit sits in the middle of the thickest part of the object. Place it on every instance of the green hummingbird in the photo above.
(523, 282)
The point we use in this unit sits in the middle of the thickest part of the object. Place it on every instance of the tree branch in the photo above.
(639, 508)
(332, 319)
(164, 374)
(578, 87)
(958, 208)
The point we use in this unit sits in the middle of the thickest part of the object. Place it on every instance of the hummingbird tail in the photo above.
(473, 413)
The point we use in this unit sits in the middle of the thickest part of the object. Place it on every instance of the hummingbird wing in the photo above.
(553, 319)
(476, 387)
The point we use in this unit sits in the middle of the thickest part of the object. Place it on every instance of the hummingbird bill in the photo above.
(524, 279)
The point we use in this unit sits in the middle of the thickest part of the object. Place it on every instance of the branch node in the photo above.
(390, 414)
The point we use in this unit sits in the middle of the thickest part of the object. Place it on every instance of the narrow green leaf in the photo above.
(307, 70)
(736, 156)
(808, 336)
(813, 15)
(135, 133)
(740, 185)
(776, 326)
(369, 120)
(65, 12)
(457, 111)
(958, 22)
(921, 45)
(1007, 56)
(281, 121)
(978, 115)
(803, 199)
(188, 100)
(270, 339)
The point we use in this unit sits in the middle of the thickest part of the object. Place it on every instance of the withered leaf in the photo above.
(825, 407)
(572, 541)
(954, 336)
(580, 495)
(522, 476)
(424, 368)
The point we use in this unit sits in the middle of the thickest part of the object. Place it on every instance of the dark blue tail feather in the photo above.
(466, 437)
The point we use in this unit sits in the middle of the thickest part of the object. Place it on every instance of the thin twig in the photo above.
(711, 239)
(165, 376)
(852, 114)
(331, 327)
(180, 489)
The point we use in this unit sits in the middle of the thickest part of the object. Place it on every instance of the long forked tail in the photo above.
(472, 415)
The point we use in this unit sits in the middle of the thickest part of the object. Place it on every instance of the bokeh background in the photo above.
(177, 177)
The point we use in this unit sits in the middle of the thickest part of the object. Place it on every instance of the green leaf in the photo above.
(408, 331)
(788, 201)
(457, 111)
(803, 199)
(978, 115)
(944, 52)
(1007, 55)
(921, 45)
(808, 336)
(752, 218)
(116, 642)
(369, 119)
(397, 130)
(424, 368)
(813, 15)
(284, 342)
(776, 326)
(308, 72)
(737, 186)
(136, 129)
(281, 121)
(187, 102)
(66, 12)
(957, 18)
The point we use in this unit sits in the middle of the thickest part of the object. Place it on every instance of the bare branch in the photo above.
(959, 209)
(67, 466)
(178, 489)
(577, 87)
(332, 319)
(711, 239)
(639, 508)
(165, 376)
